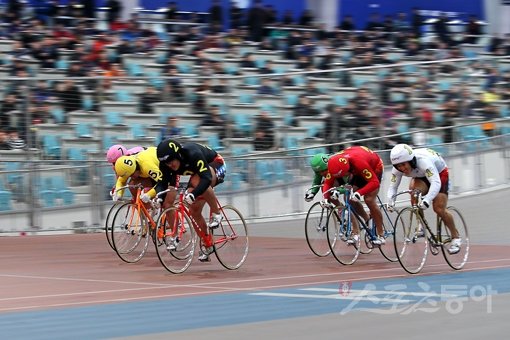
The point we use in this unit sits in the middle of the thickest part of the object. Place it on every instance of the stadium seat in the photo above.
(113, 118)
(51, 146)
(5, 200)
(83, 130)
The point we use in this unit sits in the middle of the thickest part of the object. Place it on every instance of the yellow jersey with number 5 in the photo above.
(148, 165)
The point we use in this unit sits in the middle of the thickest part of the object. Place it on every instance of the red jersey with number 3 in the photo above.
(363, 164)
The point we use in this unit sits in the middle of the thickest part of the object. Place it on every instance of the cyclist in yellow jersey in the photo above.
(142, 168)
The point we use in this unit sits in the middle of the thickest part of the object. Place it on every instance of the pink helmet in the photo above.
(114, 152)
(135, 150)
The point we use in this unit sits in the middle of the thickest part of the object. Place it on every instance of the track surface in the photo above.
(74, 286)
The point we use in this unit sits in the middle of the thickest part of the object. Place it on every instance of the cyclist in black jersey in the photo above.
(206, 169)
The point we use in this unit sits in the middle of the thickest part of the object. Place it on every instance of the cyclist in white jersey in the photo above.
(429, 174)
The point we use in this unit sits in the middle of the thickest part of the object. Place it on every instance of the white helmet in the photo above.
(401, 153)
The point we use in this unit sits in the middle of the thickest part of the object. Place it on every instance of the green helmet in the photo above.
(319, 162)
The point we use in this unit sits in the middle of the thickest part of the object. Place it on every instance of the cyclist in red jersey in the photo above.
(365, 169)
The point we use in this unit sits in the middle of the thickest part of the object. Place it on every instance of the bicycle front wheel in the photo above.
(108, 224)
(459, 259)
(316, 230)
(344, 247)
(130, 233)
(231, 239)
(175, 240)
(410, 241)
(390, 220)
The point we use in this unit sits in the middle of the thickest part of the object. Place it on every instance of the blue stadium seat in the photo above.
(123, 96)
(58, 115)
(48, 197)
(138, 131)
(5, 200)
(51, 146)
(113, 118)
(83, 130)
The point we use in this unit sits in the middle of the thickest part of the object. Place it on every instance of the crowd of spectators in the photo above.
(39, 42)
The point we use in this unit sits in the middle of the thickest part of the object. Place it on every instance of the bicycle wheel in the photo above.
(108, 223)
(389, 221)
(457, 260)
(366, 245)
(315, 230)
(231, 239)
(130, 233)
(411, 245)
(340, 221)
(175, 241)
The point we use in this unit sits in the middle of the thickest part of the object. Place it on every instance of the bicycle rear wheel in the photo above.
(175, 240)
(316, 230)
(130, 233)
(457, 260)
(339, 232)
(389, 221)
(231, 239)
(411, 246)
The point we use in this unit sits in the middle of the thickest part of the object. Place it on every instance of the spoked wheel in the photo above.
(316, 230)
(175, 240)
(389, 220)
(108, 223)
(366, 244)
(339, 232)
(130, 233)
(410, 243)
(459, 259)
(231, 239)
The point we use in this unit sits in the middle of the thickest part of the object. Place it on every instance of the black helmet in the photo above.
(168, 150)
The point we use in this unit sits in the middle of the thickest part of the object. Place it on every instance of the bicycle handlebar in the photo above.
(416, 193)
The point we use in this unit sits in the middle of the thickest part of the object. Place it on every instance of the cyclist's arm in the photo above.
(328, 183)
(317, 180)
(369, 175)
(204, 172)
(395, 179)
(432, 176)
(121, 181)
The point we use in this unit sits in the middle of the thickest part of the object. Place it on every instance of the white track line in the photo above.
(220, 289)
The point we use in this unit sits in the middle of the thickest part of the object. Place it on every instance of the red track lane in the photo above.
(42, 272)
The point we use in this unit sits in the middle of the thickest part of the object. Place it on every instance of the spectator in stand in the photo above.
(149, 97)
(69, 95)
(264, 132)
(416, 22)
(347, 23)
(257, 19)
(266, 88)
(236, 15)
(114, 10)
(170, 130)
(288, 18)
(215, 17)
(473, 30)
(304, 107)
(14, 141)
(214, 118)
(450, 113)
(9, 104)
(489, 113)
(3, 139)
(306, 18)
(248, 61)
(441, 29)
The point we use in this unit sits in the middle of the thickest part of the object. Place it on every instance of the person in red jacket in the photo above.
(365, 169)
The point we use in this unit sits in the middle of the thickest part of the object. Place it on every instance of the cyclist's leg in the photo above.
(375, 212)
(439, 205)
